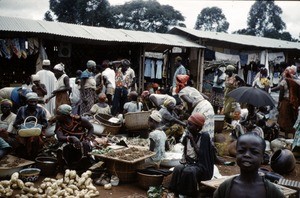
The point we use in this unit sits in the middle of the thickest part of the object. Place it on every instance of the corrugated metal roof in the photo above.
(11, 24)
(239, 39)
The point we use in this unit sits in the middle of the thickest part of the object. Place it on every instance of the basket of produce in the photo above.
(135, 121)
(124, 162)
(111, 124)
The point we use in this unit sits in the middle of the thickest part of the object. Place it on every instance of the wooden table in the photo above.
(214, 183)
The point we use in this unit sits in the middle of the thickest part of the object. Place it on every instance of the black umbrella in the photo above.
(253, 96)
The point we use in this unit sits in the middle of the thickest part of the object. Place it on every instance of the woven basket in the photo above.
(126, 172)
(135, 121)
(110, 127)
(147, 180)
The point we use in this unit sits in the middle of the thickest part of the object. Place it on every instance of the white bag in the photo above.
(29, 129)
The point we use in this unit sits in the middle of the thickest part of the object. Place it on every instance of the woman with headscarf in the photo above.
(61, 92)
(29, 147)
(101, 107)
(197, 163)
(181, 82)
(88, 87)
(171, 122)
(73, 133)
(195, 103)
(287, 113)
(217, 93)
(147, 104)
(158, 138)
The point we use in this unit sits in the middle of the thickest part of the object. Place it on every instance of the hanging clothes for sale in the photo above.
(159, 64)
(147, 72)
(228, 57)
(152, 69)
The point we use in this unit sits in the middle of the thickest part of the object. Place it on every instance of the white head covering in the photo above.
(91, 64)
(60, 67)
(46, 62)
(294, 68)
(35, 77)
(32, 96)
(155, 115)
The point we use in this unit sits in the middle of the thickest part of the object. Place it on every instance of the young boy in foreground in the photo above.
(250, 151)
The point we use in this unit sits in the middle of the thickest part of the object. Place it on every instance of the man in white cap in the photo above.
(48, 78)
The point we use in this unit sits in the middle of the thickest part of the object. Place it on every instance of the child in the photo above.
(101, 107)
(250, 151)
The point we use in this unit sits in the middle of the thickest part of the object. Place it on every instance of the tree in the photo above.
(264, 20)
(146, 16)
(91, 12)
(212, 19)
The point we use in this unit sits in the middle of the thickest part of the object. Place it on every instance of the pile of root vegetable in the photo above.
(71, 185)
(129, 154)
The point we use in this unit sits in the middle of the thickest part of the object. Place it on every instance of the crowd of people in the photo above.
(182, 113)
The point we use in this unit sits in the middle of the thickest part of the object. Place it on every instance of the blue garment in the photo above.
(86, 74)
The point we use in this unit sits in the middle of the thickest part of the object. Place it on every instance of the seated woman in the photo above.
(101, 107)
(134, 105)
(73, 133)
(171, 122)
(197, 163)
(29, 147)
(7, 118)
(158, 138)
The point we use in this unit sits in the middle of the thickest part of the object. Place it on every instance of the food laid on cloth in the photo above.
(10, 164)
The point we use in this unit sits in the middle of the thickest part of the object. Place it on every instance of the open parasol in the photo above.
(253, 96)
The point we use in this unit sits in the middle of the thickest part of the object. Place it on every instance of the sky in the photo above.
(236, 12)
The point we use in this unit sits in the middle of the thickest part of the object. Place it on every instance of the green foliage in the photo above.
(147, 16)
(84, 12)
(264, 20)
(212, 19)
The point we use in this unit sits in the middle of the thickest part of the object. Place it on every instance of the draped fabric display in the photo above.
(17, 47)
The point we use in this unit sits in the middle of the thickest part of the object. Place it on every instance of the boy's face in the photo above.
(249, 153)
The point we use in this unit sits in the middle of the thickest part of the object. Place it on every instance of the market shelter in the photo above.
(25, 43)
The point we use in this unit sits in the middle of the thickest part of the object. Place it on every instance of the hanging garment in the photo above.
(15, 46)
(147, 72)
(159, 64)
(252, 58)
(277, 58)
(23, 47)
(4, 48)
(152, 69)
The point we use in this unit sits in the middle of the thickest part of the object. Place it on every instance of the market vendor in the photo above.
(197, 163)
(172, 125)
(73, 133)
(29, 147)
(7, 118)
(158, 138)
